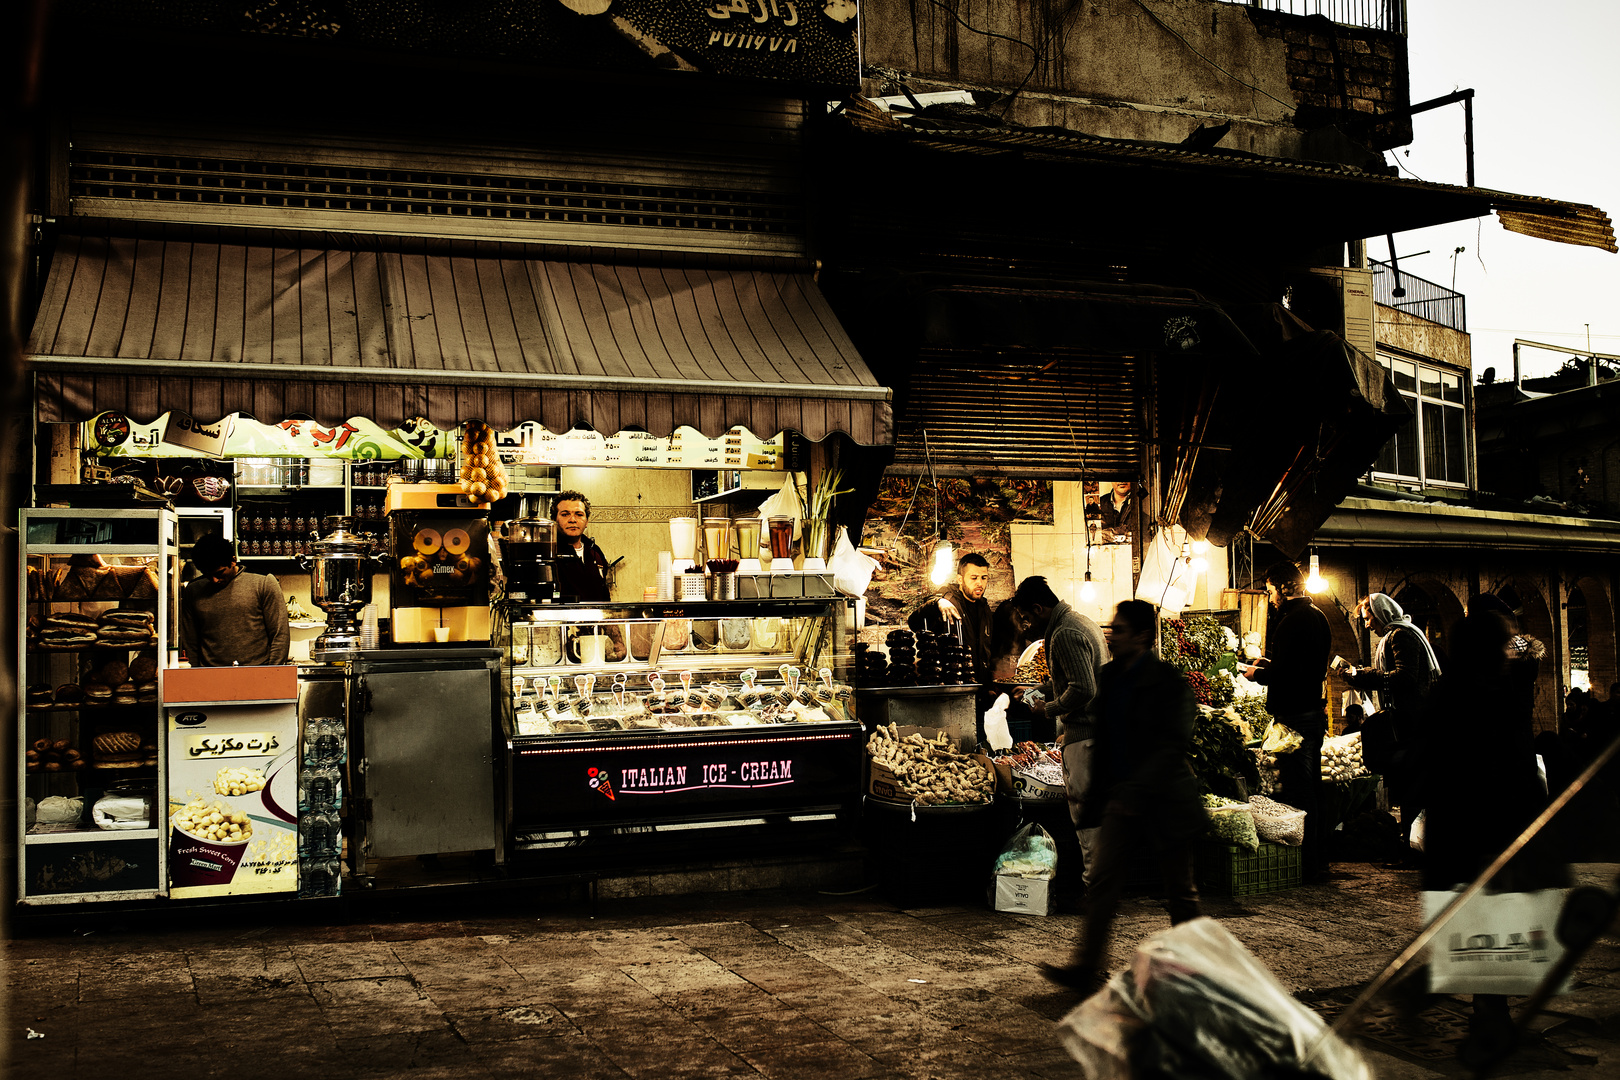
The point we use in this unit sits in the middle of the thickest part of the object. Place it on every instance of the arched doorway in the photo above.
(1535, 621)
(1433, 608)
(1600, 633)
(1580, 664)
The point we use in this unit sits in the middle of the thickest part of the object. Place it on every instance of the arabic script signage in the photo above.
(811, 41)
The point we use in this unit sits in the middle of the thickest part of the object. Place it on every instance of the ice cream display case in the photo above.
(663, 713)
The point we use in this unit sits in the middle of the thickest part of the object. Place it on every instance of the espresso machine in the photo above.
(340, 566)
(529, 557)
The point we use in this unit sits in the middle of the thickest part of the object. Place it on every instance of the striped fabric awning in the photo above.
(485, 331)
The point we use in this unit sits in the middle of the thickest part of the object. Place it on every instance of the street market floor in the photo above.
(784, 985)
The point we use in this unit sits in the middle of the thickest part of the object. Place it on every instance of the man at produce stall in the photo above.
(1075, 649)
(962, 603)
(1299, 642)
(230, 617)
(1113, 509)
(1143, 787)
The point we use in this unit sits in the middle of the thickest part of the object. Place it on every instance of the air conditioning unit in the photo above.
(1353, 288)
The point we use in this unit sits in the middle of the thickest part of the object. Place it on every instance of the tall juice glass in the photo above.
(716, 538)
(683, 534)
(747, 537)
(781, 526)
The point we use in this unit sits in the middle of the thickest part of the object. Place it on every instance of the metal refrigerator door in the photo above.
(430, 774)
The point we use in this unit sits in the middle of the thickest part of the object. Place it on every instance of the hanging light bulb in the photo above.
(1088, 591)
(1200, 565)
(1314, 581)
(944, 563)
(1200, 547)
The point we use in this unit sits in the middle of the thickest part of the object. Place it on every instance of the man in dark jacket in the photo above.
(581, 566)
(1143, 788)
(962, 603)
(1298, 643)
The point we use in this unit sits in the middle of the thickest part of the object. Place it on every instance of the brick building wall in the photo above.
(1357, 75)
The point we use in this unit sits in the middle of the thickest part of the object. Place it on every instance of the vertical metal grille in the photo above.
(1041, 415)
(1376, 14)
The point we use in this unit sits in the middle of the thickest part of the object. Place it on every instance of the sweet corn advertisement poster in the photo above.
(233, 800)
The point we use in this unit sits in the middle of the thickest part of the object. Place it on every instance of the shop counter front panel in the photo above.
(582, 781)
(429, 752)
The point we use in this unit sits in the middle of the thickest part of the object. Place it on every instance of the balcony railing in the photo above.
(1415, 296)
(1376, 14)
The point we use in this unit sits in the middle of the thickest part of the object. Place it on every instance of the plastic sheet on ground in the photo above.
(1195, 1004)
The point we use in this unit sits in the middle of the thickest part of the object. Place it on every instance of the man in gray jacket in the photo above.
(229, 617)
(1075, 652)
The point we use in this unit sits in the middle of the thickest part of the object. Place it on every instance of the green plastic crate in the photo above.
(1230, 870)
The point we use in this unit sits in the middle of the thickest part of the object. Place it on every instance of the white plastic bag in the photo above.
(852, 571)
(785, 501)
(1232, 823)
(1194, 1002)
(1030, 853)
(1415, 838)
(1167, 580)
(996, 732)
(1499, 943)
(59, 810)
(1276, 822)
(122, 812)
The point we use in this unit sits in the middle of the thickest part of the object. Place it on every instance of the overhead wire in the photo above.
(1173, 32)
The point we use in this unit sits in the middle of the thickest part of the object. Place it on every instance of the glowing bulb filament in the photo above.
(944, 563)
(1088, 591)
(1315, 582)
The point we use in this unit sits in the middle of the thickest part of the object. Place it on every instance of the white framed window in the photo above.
(1431, 448)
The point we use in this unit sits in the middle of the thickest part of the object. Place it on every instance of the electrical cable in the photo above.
(1172, 31)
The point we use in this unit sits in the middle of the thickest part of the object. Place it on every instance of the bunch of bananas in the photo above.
(483, 477)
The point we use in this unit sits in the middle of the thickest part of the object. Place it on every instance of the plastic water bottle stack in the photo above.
(320, 797)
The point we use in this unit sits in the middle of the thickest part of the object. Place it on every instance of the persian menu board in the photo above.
(685, 449)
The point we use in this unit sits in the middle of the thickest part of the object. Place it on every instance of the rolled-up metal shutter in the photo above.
(1044, 416)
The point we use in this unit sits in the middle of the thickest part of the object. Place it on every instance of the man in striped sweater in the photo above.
(1075, 651)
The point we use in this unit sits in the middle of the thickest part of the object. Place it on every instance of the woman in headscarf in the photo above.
(1403, 670)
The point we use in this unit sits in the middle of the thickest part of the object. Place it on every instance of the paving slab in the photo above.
(781, 985)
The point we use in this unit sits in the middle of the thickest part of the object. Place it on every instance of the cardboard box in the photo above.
(1026, 896)
(1022, 787)
(881, 783)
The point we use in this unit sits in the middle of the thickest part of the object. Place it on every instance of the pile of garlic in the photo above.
(483, 477)
(1341, 758)
(1267, 764)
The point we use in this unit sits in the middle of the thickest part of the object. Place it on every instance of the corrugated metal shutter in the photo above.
(1047, 416)
(730, 183)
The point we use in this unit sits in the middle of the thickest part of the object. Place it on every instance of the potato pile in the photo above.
(483, 477)
(931, 771)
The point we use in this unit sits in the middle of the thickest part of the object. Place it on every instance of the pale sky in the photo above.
(1547, 123)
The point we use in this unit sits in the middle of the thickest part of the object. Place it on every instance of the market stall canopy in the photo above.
(470, 331)
(1317, 412)
(1336, 200)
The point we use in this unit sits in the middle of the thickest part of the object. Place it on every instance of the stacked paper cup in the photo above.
(666, 586)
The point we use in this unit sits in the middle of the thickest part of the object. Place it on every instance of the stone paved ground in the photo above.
(789, 986)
